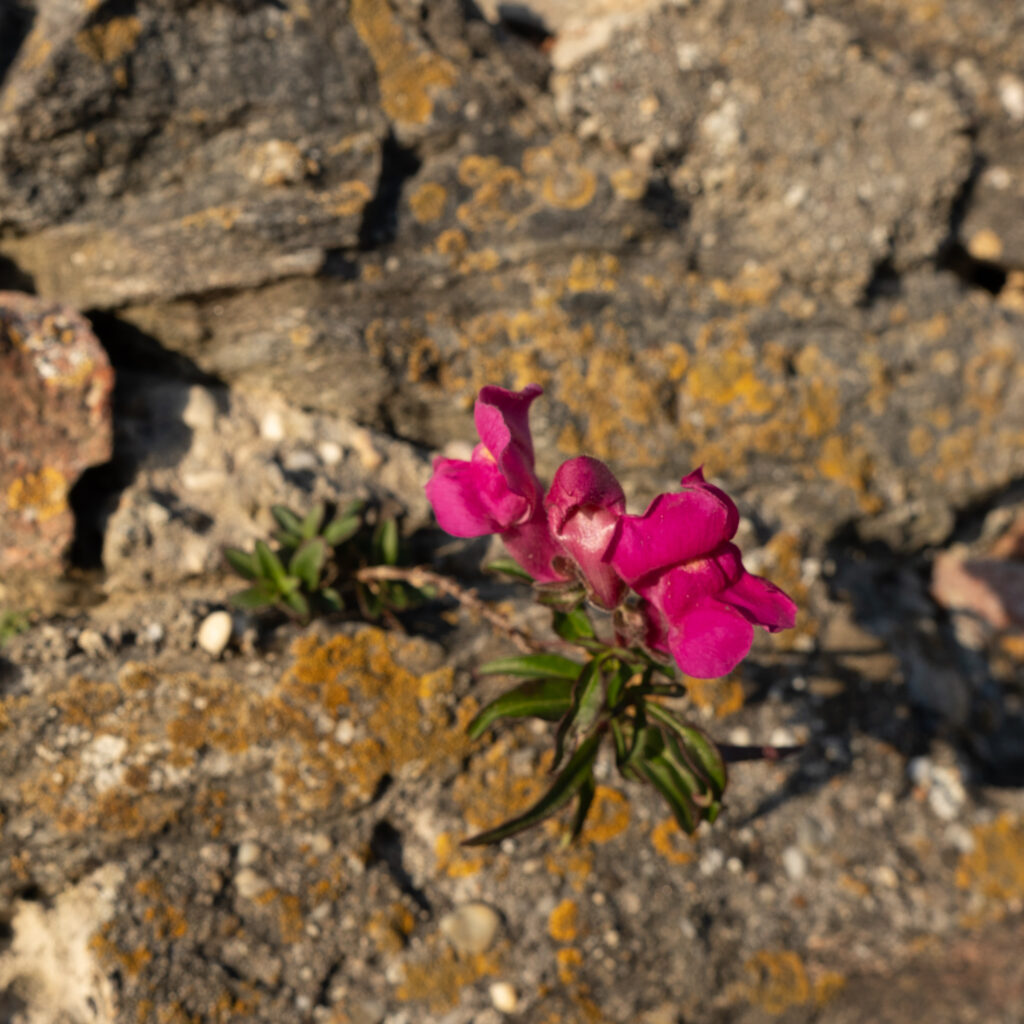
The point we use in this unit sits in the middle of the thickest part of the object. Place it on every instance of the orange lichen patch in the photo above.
(223, 216)
(490, 792)
(719, 696)
(427, 202)
(555, 173)
(671, 842)
(920, 441)
(40, 496)
(573, 864)
(628, 183)
(500, 199)
(754, 286)
(389, 928)
(608, 817)
(728, 377)
(563, 922)
(109, 40)
(593, 272)
(451, 242)
(995, 867)
(779, 981)
(568, 961)
(346, 199)
(164, 918)
(481, 262)
(407, 725)
(850, 464)
(440, 978)
(453, 861)
(406, 78)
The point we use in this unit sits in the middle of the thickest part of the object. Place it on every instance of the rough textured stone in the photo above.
(55, 421)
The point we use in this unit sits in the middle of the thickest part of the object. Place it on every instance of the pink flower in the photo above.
(497, 491)
(584, 506)
(701, 605)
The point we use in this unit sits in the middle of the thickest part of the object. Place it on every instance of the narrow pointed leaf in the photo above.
(584, 800)
(270, 565)
(385, 542)
(308, 562)
(310, 526)
(586, 692)
(243, 562)
(337, 531)
(533, 666)
(332, 599)
(287, 519)
(568, 783)
(663, 776)
(698, 744)
(573, 625)
(509, 567)
(296, 602)
(537, 698)
(263, 595)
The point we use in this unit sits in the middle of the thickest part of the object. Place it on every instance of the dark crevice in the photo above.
(883, 284)
(386, 850)
(142, 433)
(521, 21)
(15, 24)
(379, 225)
(14, 279)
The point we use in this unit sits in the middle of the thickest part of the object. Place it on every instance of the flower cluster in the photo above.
(694, 600)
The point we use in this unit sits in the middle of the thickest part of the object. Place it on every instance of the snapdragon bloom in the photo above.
(497, 490)
(699, 602)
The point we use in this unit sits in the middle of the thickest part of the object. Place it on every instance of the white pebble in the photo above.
(272, 426)
(248, 853)
(794, 863)
(470, 928)
(504, 997)
(248, 884)
(214, 633)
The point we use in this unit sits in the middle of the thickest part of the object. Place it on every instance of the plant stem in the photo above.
(419, 577)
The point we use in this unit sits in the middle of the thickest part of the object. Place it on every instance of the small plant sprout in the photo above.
(313, 568)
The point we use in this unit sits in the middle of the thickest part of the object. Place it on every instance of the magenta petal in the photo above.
(503, 422)
(761, 602)
(471, 499)
(533, 547)
(710, 640)
(584, 506)
(678, 589)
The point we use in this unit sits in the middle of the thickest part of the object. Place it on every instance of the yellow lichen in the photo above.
(563, 922)
(346, 199)
(40, 496)
(427, 202)
(440, 977)
(110, 40)
(779, 981)
(608, 817)
(995, 867)
(628, 183)
(671, 842)
(407, 78)
(568, 961)
(719, 696)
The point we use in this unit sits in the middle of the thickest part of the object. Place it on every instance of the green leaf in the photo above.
(308, 562)
(243, 562)
(569, 782)
(263, 595)
(313, 521)
(587, 700)
(584, 799)
(288, 521)
(270, 566)
(296, 602)
(385, 542)
(337, 531)
(536, 698)
(397, 596)
(666, 779)
(509, 567)
(704, 754)
(332, 599)
(574, 625)
(533, 666)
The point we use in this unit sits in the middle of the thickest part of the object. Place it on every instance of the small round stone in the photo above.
(470, 928)
(214, 633)
(504, 997)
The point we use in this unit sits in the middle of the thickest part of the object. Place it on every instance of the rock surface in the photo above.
(780, 240)
(55, 421)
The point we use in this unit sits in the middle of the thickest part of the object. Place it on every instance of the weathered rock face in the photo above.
(55, 421)
(712, 236)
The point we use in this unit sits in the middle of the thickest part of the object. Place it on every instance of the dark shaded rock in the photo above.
(55, 421)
